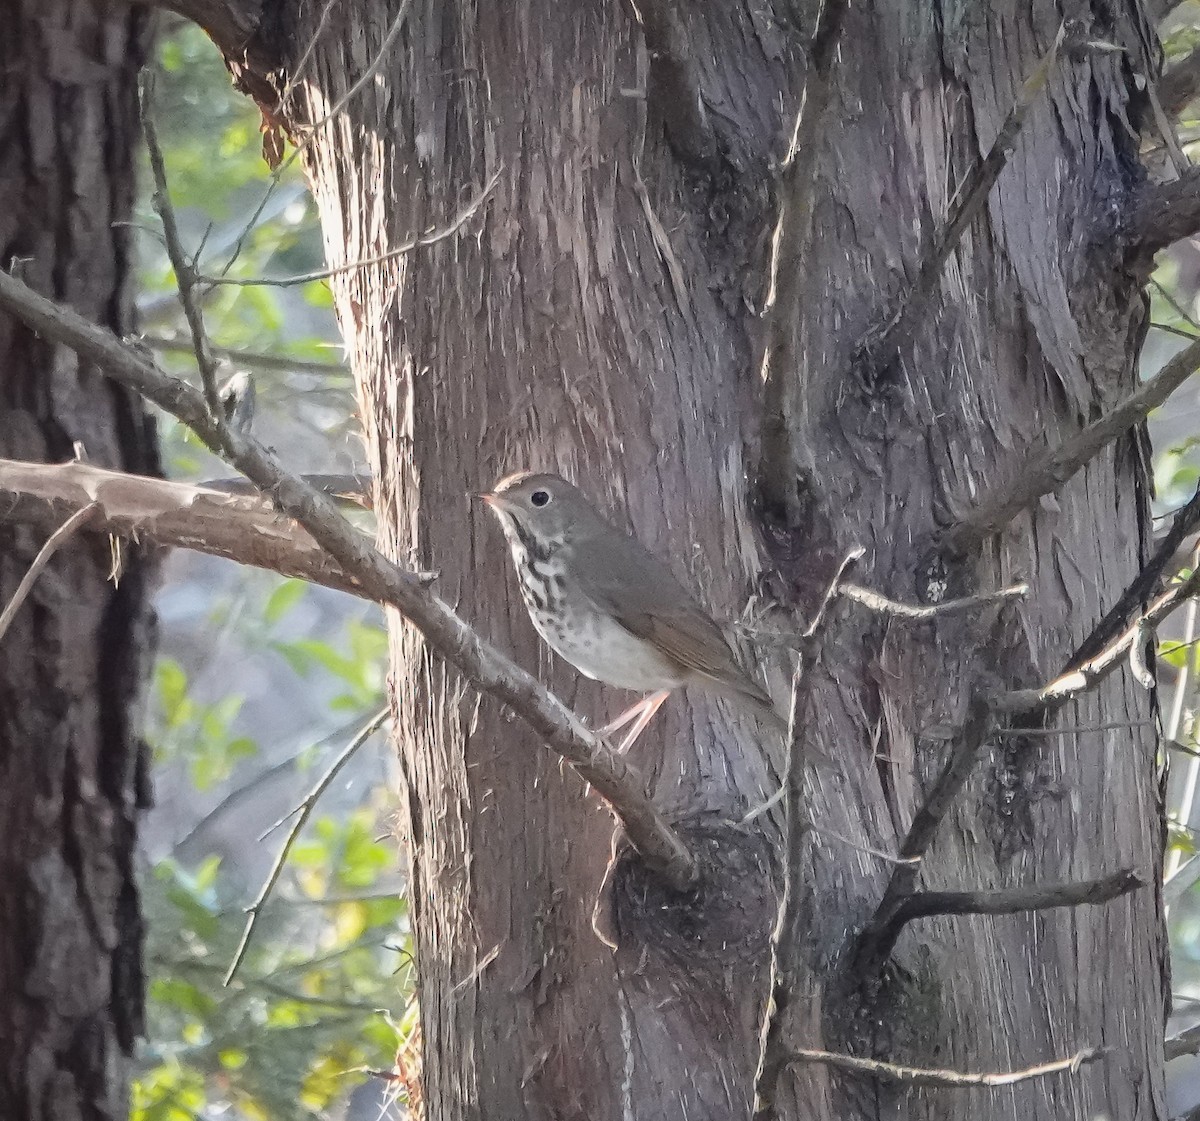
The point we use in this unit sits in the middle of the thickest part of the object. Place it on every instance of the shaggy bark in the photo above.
(71, 772)
(604, 322)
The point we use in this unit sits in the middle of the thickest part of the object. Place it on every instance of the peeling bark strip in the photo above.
(72, 773)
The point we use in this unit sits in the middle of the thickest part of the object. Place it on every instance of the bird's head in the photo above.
(540, 511)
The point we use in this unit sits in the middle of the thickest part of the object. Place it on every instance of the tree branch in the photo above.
(480, 663)
(302, 813)
(1010, 901)
(791, 926)
(790, 241)
(883, 345)
(242, 528)
(1183, 525)
(877, 939)
(259, 360)
(1187, 1042)
(1046, 471)
(432, 237)
(874, 601)
(1084, 675)
(230, 23)
(186, 276)
(1163, 213)
(922, 1076)
(674, 84)
(55, 542)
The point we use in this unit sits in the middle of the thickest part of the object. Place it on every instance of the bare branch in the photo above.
(674, 84)
(185, 270)
(1162, 213)
(1081, 676)
(1187, 1042)
(425, 239)
(792, 924)
(1180, 84)
(259, 360)
(883, 345)
(302, 812)
(232, 24)
(355, 489)
(1046, 471)
(245, 529)
(1010, 901)
(923, 1076)
(790, 241)
(55, 542)
(885, 606)
(875, 943)
(1184, 524)
(480, 663)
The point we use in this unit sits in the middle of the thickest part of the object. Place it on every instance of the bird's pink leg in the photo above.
(641, 714)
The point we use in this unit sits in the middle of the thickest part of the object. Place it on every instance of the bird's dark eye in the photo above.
(540, 497)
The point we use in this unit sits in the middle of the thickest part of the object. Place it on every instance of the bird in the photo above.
(609, 607)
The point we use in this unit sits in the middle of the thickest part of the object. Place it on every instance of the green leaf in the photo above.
(283, 599)
(171, 682)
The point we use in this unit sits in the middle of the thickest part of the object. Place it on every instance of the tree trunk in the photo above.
(71, 766)
(603, 320)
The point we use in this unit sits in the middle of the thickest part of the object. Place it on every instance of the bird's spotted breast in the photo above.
(592, 641)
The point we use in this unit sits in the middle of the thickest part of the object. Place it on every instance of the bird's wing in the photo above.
(650, 603)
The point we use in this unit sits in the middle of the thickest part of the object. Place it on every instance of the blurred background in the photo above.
(261, 683)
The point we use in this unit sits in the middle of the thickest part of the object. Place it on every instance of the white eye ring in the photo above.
(540, 498)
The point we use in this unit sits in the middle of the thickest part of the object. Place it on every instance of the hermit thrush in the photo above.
(609, 607)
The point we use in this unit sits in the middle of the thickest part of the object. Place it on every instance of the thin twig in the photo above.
(878, 937)
(55, 542)
(1047, 470)
(1177, 331)
(1176, 306)
(829, 834)
(255, 359)
(312, 131)
(302, 812)
(950, 1079)
(1184, 524)
(485, 667)
(425, 239)
(886, 606)
(791, 925)
(882, 347)
(297, 71)
(1179, 706)
(1011, 901)
(185, 269)
(1076, 729)
(1080, 677)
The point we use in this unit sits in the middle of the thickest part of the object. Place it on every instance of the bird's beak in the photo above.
(485, 496)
